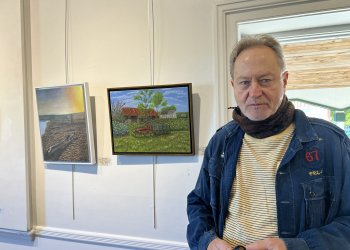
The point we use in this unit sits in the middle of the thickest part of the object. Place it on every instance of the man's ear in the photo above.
(285, 78)
(232, 83)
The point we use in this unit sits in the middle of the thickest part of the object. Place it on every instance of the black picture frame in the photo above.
(151, 120)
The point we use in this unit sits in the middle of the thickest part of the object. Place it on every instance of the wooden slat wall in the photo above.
(318, 64)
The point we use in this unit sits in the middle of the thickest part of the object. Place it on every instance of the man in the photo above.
(271, 179)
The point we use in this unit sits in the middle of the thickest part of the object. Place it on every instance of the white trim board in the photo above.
(108, 239)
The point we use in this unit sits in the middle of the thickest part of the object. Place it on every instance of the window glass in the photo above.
(341, 118)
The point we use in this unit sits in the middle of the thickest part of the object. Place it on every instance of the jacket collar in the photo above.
(231, 128)
(304, 132)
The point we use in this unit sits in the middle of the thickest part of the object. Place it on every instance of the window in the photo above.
(317, 53)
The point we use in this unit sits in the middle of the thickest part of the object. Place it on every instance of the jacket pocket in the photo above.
(319, 197)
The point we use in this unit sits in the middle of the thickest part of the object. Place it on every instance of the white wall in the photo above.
(109, 204)
(13, 161)
(108, 46)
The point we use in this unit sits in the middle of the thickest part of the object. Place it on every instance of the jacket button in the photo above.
(312, 194)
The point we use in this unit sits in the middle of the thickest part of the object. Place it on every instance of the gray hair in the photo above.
(254, 41)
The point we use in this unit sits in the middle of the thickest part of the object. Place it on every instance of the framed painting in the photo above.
(152, 120)
(65, 124)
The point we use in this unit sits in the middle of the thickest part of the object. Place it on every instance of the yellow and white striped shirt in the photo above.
(252, 208)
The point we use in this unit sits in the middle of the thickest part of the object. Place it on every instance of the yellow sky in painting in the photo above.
(75, 98)
(60, 100)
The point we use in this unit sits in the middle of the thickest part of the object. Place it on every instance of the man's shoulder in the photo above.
(320, 126)
(227, 129)
(219, 139)
(324, 125)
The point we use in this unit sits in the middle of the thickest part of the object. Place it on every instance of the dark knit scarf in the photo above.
(272, 125)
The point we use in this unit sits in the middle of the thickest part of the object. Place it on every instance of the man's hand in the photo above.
(267, 244)
(219, 244)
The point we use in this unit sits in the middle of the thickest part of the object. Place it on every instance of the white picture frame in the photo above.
(65, 124)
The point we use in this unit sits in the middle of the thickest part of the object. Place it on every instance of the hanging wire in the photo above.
(154, 192)
(66, 22)
(66, 71)
(151, 39)
(73, 192)
(151, 63)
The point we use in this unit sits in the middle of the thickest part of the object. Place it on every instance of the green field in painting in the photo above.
(174, 142)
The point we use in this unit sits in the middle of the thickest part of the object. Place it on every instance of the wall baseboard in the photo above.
(17, 234)
(119, 241)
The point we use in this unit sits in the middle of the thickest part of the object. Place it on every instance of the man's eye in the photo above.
(244, 83)
(265, 81)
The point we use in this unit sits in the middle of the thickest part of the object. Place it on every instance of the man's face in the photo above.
(258, 84)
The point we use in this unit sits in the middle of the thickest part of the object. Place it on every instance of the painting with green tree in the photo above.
(152, 120)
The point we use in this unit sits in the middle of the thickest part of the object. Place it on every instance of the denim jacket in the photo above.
(312, 187)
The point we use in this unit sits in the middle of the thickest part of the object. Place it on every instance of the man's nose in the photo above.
(255, 89)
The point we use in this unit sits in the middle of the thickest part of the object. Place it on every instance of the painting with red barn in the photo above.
(154, 120)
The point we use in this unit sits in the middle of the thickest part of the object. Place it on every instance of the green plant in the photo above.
(120, 129)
